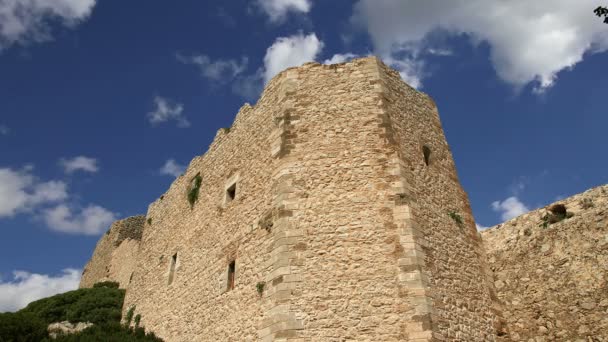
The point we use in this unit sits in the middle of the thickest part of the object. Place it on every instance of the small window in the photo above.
(426, 151)
(231, 193)
(231, 272)
(172, 268)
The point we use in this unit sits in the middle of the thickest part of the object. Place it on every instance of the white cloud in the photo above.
(480, 228)
(277, 9)
(510, 208)
(81, 163)
(25, 21)
(91, 220)
(530, 41)
(290, 51)
(27, 287)
(172, 168)
(219, 70)
(340, 58)
(167, 110)
(4, 130)
(21, 191)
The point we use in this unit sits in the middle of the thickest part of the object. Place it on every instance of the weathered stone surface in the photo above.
(552, 279)
(116, 253)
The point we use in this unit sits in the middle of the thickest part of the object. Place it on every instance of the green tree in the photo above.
(602, 12)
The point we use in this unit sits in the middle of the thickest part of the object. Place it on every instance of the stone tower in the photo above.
(329, 211)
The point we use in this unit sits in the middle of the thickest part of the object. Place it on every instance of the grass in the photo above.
(456, 217)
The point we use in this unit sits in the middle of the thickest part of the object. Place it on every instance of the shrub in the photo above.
(194, 188)
(21, 327)
(556, 213)
(108, 284)
(137, 320)
(97, 305)
(260, 287)
(129, 316)
(149, 221)
(456, 217)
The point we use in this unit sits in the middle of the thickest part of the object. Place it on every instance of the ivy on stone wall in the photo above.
(195, 185)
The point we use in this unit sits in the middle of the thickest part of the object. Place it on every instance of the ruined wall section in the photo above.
(441, 262)
(553, 280)
(115, 255)
(191, 299)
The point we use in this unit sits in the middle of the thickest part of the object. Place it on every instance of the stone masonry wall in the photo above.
(553, 281)
(441, 260)
(115, 255)
(325, 217)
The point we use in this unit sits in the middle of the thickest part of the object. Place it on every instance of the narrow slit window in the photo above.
(172, 268)
(231, 273)
(231, 193)
(426, 151)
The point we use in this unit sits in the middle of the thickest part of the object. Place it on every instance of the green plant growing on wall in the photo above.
(556, 213)
(456, 217)
(195, 185)
(129, 316)
(260, 287)
(137, 319)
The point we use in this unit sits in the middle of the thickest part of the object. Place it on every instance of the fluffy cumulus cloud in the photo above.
(290, 51)
(20, 191)
(26, 287)
(166, 110)
(277, 10)
(218, 70)
(80, 163)
(172, 168)
(91, 220)
(509, 208)
(26, 21)
(340, 58)
(530, 41)
(480, 227)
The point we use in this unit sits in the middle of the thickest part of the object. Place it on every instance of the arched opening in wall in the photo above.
(172, 268)
(426, 152)
(231, 274)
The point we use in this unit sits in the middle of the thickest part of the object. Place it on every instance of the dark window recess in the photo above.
(231, 193)
(426, 151)
(172, 269)
(231, 272)
(131, 278)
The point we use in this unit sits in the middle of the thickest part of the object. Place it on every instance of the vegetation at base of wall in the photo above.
(456, 217)
(21, 326)
(108, 284)
(195, 186)
(100, 305)
(260, 287)
(555, 213)
(137, 319)
(129, 316)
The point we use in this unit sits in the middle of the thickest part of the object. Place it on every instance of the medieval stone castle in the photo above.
(331, 211)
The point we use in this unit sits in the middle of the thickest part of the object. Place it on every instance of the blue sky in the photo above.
(103, 103)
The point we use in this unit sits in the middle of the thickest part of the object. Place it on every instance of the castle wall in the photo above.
(197, 305)
(441, 262)
(116, 253)
(553, 281)
(331, 214)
